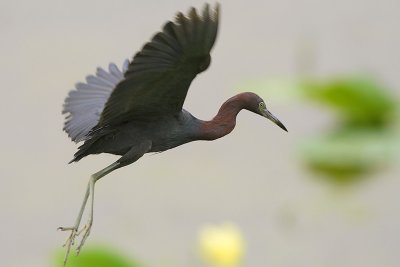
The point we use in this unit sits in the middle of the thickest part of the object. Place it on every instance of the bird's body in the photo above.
(139, 110)
(166, 132)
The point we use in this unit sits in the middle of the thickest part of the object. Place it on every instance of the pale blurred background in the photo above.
(254, 177)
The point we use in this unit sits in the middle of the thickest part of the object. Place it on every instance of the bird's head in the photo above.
(257, 105)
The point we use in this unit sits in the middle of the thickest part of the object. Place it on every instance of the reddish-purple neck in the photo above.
(225, 120)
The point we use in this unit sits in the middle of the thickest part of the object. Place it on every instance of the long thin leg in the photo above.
(95, 177)
(131, 156)
(74, 229)
(78, 219)
(86, 229)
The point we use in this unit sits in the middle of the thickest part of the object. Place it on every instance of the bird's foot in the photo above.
(70, 240)
(74, 234)
(86, 231)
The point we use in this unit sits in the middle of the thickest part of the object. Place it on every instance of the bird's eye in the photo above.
(261, 105)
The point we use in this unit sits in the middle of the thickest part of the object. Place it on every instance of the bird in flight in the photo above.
(138, 109)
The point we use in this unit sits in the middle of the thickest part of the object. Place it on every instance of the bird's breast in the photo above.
(174, 132)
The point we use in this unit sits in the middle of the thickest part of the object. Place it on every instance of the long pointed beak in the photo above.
(274, 119)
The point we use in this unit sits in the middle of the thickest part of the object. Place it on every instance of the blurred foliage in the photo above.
(363, 139)
(361, 102)
(344, 155)
(95, 257)
(221, 245)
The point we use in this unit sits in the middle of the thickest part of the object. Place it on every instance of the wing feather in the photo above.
(85, 103)
(157, 80)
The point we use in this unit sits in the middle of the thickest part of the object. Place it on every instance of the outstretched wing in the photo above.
(84, 104)
(158, 78)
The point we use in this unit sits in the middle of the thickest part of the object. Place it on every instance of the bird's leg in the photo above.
(131, 156)
(93, 179)
(86, 229)
(74, 229)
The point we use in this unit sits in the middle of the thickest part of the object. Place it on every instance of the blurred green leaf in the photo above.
(95, 257)
(362, 141)
(345, 154)
(360, 101)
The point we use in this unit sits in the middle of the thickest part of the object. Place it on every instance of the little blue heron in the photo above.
(138, 109)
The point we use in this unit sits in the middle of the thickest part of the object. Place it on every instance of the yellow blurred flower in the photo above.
(221, 245)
